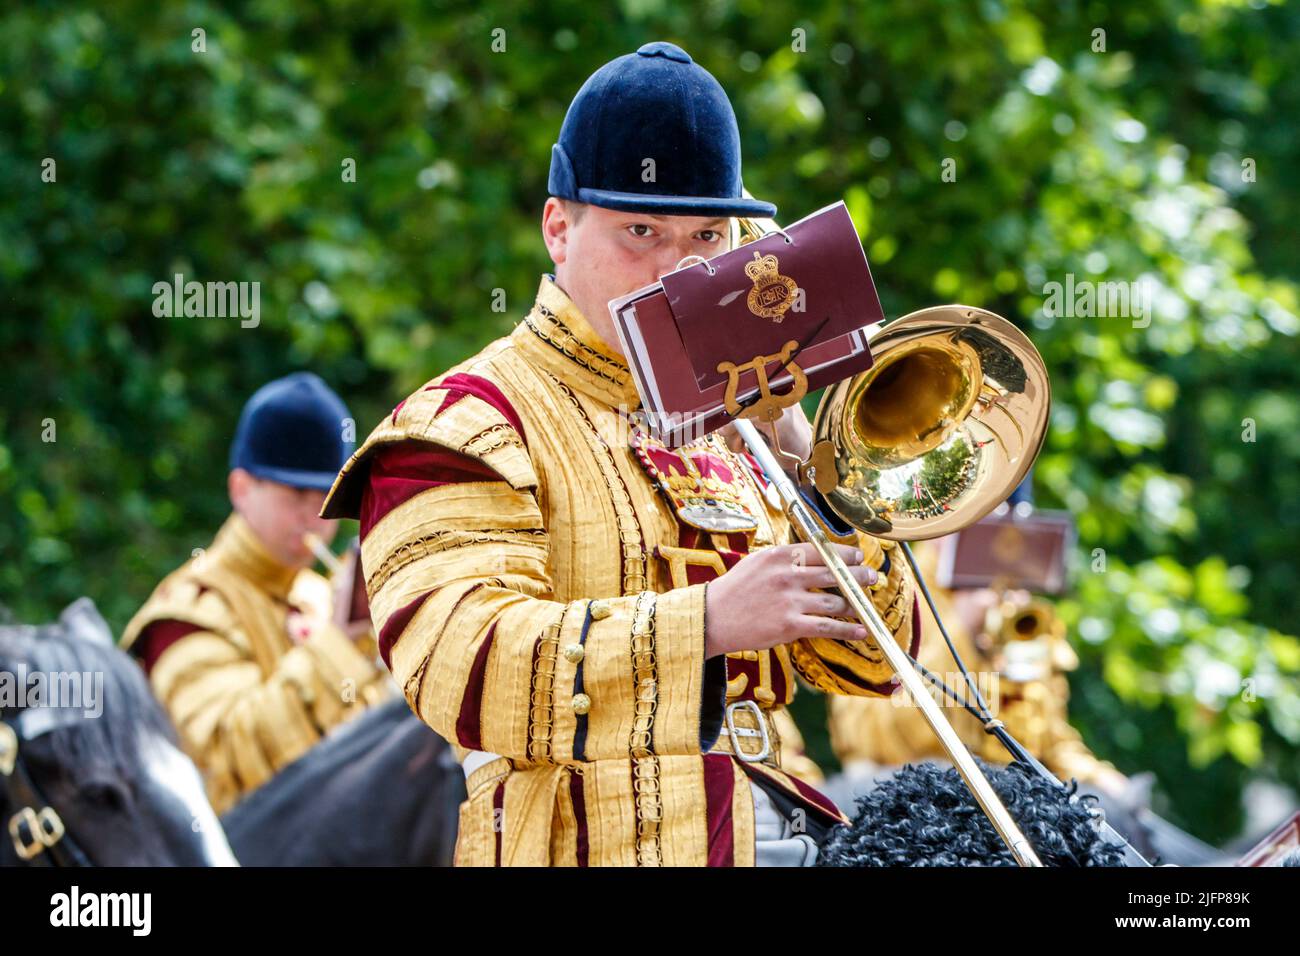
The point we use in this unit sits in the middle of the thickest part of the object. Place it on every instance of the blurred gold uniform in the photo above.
(794, 760)
(539, 594)
(242, 652)
(1034, 711)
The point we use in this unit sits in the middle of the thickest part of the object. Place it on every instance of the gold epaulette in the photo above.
(181, 596)
(469, 426)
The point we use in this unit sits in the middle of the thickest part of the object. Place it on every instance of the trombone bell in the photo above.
(939, 431)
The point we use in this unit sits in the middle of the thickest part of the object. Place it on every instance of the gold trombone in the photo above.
(929, 440)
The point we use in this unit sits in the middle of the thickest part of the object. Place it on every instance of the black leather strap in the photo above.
(23, 793)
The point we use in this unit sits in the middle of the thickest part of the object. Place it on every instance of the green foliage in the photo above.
(1117, 166)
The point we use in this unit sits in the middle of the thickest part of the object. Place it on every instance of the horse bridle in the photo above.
(36, 829)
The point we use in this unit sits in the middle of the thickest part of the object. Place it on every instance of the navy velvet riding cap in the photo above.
(655, 104)
(292, 431)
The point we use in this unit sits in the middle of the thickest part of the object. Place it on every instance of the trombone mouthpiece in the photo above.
(322, 552)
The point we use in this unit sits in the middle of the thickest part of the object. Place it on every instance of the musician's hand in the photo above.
(345, 584)
(767, 599)
(972, 606)
(793, 431)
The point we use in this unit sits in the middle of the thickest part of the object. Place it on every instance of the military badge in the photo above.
(703, 488)
(773, 293)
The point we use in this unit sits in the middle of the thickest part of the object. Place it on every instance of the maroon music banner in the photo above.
(763, 323)
(1009, 550)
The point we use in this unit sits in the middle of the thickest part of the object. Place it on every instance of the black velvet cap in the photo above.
(653, 132)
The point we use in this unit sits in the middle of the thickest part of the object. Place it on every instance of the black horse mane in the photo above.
(926, 816)
(324, 809)
(114, 739)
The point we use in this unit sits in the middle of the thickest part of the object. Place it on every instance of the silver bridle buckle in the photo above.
(738, 732)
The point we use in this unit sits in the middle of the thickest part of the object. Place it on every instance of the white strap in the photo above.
(475, 759)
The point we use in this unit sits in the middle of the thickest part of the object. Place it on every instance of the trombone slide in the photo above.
(808, 527)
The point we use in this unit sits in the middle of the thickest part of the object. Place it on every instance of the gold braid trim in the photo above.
(541, 697)
(645, 765)
(559, 337)
(490, 439)
(440, 541)
(629, 528)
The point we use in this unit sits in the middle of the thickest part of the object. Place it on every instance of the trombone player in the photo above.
(607, 661)
(240, 643)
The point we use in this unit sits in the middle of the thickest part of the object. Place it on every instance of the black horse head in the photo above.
(90, 771)
(925, 815)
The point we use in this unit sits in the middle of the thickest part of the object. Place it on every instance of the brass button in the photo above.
(581, 703)
(599, 610)
(573, 653)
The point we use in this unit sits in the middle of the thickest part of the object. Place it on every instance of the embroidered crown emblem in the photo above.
(773, 293)
(704, 487)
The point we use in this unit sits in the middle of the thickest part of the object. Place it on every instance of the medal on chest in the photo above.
(704, 487)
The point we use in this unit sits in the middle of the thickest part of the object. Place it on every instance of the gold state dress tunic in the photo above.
(242, 652)
(536, 568)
